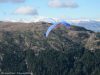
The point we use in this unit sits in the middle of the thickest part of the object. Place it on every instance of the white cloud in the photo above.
(62, 4)
(13, 1)
(26, 10)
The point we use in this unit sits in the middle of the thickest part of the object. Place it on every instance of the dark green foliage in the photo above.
(13, 56)
(22, 52)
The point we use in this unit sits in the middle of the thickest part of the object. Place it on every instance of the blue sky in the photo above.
(70, 9)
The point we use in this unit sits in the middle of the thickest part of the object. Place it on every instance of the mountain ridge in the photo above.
(25, 49)
(77, 33)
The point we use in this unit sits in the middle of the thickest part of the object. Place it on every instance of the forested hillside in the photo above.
(27, 50)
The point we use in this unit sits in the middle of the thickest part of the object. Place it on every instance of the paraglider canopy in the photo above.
(56, 25)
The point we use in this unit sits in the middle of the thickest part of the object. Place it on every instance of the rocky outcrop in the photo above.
(93, 42)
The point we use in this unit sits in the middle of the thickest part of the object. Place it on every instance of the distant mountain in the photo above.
(91, 25)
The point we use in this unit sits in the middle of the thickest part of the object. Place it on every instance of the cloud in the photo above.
(62, 4)
(26, 10)
(13, 1)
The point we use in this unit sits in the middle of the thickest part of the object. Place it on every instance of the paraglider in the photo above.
(57, 24)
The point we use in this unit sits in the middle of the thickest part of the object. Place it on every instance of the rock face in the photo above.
(88, 39)
(79, 36)
(93, 42)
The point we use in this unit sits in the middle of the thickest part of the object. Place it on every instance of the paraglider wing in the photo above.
(67, 25)
(50, 28)
(48, 20)
(63, 23)
(52, 20)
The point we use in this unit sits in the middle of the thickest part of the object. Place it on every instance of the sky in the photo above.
(33, 9)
